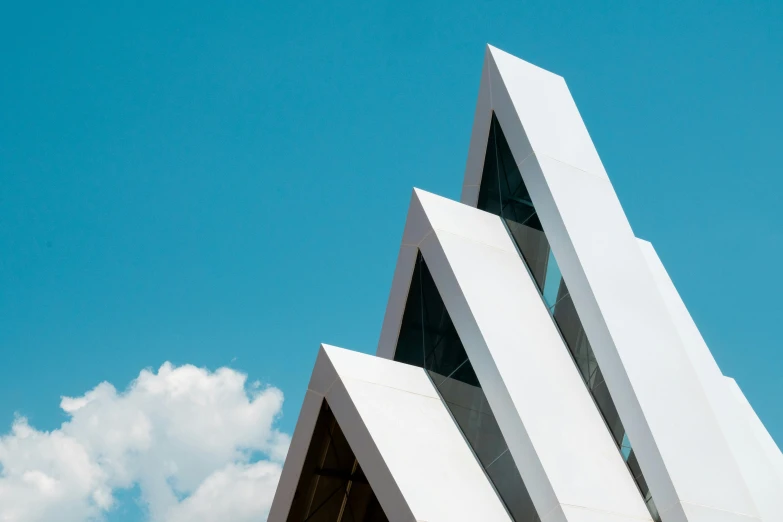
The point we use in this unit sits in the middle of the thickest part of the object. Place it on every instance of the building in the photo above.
(535, 363)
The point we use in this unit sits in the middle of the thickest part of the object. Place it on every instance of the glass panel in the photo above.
(534, 247)
(606, 405)
(652, 507)
(625, 447)
(411, 342)
(503, 193)
(332, 486)
(436, 347)
(574, 335)
(552, 282)
(504, 475)
(429, 339)
(469, 407)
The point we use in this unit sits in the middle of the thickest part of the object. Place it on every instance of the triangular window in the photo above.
(332, 486)
(429, 339)
(503, 193)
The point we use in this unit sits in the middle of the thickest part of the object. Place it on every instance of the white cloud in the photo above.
(200, 445)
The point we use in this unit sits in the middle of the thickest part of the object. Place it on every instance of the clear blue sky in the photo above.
(227, 185)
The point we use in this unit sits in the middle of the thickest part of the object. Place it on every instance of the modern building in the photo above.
(535, 363)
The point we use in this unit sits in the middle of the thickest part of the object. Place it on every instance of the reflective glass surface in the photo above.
(504, 474)
(503, 193)
(429, 339)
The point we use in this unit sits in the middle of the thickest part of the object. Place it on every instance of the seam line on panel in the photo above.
(337, 378)
(428, 234)
(519, 164)
(683, 502)
(604, 177)
(392, 387)
(545, 515)
(594, 510)
(496, 458)
(467, 238)
(323, 394)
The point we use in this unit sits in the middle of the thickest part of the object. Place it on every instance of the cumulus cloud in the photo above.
(199, 445)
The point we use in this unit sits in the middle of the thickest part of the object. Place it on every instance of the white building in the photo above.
(535, 363)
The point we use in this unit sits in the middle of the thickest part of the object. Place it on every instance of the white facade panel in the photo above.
(665, 410)
(757, 469)
(407, 444)
(536, 393)
(771, 450)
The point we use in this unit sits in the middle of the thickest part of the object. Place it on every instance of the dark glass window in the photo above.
(503, 193)
(332, 486)
(429, 339)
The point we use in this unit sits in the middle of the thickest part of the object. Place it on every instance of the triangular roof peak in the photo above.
(537, 113)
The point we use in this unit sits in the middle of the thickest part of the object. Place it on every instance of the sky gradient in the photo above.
(226, 185)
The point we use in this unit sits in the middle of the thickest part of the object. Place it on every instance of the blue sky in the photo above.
(226, 185)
